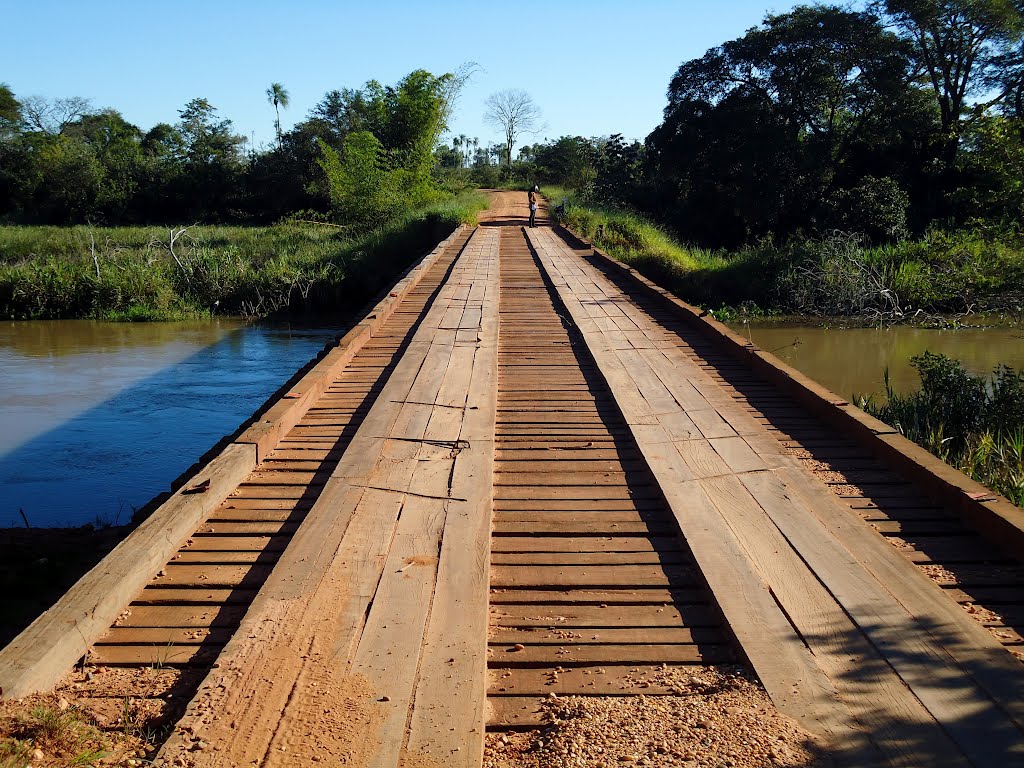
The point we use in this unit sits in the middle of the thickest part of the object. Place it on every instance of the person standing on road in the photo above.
(533, 206)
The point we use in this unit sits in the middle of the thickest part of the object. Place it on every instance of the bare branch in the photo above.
(515, 113)
(52, 117)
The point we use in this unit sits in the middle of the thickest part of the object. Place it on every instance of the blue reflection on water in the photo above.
(115, 456)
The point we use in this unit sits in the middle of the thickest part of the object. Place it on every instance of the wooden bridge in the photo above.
(529, 471)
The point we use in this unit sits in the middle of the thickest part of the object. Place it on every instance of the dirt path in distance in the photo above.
(510, 208)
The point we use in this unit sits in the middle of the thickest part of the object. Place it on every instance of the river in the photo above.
(851, 361)
(100, 417)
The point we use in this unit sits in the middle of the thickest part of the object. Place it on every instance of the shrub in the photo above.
(875, 208)
(975, 423)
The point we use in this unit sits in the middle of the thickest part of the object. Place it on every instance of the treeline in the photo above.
(362, 156)
(362, 159)
(884, 121)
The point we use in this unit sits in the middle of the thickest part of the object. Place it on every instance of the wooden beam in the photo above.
(37, 658)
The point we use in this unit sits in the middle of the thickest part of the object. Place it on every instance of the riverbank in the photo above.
(836, 276)
(38, 565)
(156, 273)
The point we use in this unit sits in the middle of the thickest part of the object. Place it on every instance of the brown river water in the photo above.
(851, 361)
(98, 418)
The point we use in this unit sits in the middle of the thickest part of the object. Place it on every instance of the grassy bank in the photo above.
(839, 275)
(974, 423)
(149, 273)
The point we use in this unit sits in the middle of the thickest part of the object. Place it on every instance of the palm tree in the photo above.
(277, 95)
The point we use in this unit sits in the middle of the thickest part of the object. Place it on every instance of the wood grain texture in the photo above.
(50, 646)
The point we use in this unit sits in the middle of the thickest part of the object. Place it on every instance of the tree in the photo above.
(10, 109)
(761, 130)
(278, 96)
(117, 146)
(45, 116)
(207, 140)
(514, 113)
(364, 194)
(212, 159)
(964, 48)
(570, 161)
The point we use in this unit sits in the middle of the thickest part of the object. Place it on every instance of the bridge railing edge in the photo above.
(59, 638)
(988, 512)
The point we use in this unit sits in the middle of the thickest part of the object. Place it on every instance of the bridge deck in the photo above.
(536, 478)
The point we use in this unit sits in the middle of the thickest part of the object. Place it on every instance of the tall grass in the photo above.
(137, 273)
(974, 423)
(706, 277)
(833, 275)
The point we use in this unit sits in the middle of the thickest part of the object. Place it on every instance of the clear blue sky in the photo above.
(594, 68)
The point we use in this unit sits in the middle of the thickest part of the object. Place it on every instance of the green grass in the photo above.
(54, 731)
(698, 275)
(836, 275)
(51, 272)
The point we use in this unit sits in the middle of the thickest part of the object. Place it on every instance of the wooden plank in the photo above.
(591, 575)
(446, 723)
(583, 559)
(619, 655)
(217, 595)
(969, 645)
(194, 616)
(502, 527)
(577, 681)
(623, 544)
(609, 614)
(516, 711)
(165, 636)
(765, 633)
(390, 644)
(894, 714)
(155, 656)
(340, 550)
(612, 635)
(37, 658)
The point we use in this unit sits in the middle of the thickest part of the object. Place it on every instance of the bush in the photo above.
(875, 208)
(974, 423)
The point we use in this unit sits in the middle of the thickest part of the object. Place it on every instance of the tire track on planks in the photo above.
(592, 586)
(191, 610)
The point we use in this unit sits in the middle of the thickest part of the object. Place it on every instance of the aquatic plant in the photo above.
(974, 423)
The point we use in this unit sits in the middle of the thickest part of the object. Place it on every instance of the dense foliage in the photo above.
(363, 163)
(837, 274)
(975, 423)
(362, 156)
(885, 122)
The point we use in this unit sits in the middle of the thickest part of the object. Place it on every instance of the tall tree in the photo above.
(812, 100)
(212, 158)
(513, 112)
(963, 48)
(278, 96)
(48, 116)
(10, 109)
